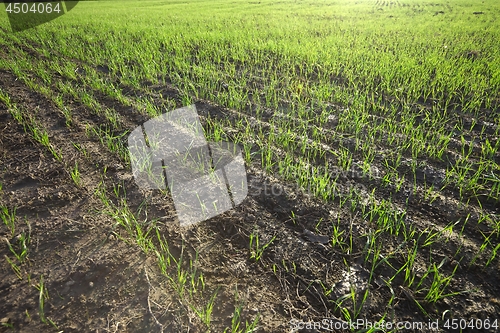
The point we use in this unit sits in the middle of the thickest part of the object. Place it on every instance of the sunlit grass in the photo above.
(316, 92)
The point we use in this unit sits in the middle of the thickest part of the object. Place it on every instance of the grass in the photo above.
(81, 149)
(205, 313)
(8, 216)
(15, 268)
(327, 96)
(75, 175)
(41, 300)
(30, 124)
(124, 217)
(236, 323)
(257, 250)
(112, 141)
(182, 274)
(43, 296)
(23, 242)
(17, 245)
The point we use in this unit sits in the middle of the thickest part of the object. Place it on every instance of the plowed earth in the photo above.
(99, 280)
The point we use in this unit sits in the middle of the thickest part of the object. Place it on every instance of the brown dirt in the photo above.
(98, 279)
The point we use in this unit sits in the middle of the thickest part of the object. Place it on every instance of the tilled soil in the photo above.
(99, 280)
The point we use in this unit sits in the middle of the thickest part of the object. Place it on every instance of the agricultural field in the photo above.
(370, 132)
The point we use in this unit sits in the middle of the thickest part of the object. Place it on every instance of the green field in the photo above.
(371, 137)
